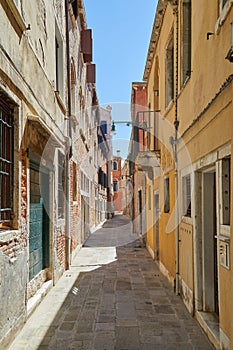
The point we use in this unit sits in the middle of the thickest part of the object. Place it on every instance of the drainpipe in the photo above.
(69, 134)
(176, 125)
(174, 5)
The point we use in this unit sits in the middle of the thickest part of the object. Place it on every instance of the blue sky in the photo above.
(121, 33)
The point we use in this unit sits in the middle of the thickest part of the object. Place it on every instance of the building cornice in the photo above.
(158, 20)
(82, 14)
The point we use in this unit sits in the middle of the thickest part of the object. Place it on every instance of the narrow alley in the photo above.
(113, 297)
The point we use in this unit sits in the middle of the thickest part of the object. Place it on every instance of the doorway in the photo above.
(39, 222)
(156, 224)
(209, 244)
(140, 210)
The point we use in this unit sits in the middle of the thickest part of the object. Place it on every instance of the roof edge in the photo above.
(158, 20)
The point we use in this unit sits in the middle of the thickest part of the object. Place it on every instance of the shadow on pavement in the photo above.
(112, 298)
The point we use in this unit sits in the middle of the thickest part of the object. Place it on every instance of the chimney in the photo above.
(118, 153)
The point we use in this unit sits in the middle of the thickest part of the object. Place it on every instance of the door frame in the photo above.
(209, 247)
(156, 224)
(45, 167)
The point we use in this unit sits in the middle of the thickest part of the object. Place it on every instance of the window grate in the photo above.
(187, 195)
(6, 163)
(166, 195)
(61, 184)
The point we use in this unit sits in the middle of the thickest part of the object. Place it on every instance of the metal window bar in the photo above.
(144, 120)
(6, 164)
(186, 183)
(188, 195)
(60, 185)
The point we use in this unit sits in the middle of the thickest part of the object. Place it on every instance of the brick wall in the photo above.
(116, 176)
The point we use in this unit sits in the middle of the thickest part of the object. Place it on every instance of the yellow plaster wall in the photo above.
(214, 127)
(186, 253)
(167, 238)
(211, 130)
(209, 66)
(150, 218)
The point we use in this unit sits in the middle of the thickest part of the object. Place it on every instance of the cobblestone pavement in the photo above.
(113, 298)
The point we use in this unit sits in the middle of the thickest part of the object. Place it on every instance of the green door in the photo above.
(39, 220)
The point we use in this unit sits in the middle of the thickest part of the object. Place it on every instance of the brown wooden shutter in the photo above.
(91, 73)
(86, 45)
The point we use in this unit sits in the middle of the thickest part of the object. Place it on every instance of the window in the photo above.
(166, 196)
(149, 126)
(59, 82)
(149, 198)
(115, 165)
(170, 70)
(85, 183)
(229, 55)
(232, 34)
(74, 181)
(226, 191)
(15, 15)
(6, 164)
(223, 3)
(115, 186)
(224, 9)
(61, 184)
(75, 8)
(186, 189)
(104, 126)
(186, 39)
(73, 90)
(105, 181)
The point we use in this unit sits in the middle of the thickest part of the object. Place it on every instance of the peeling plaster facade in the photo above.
(49, 163)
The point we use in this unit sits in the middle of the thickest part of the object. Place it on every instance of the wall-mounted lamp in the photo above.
(127, 123)
(171, 140)
(140, 125)
(113, 128)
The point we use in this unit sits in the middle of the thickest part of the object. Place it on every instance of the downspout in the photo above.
(174, 5)
(176, 125)
(69, 134)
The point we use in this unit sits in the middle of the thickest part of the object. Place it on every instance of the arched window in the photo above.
(115, 165)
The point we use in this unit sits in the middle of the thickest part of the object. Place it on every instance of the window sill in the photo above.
(15, 16)
(223, 16)
(60, 221)
(74, 119)
(60, 102)
(7, 235)
(168, 107)
(184, 84)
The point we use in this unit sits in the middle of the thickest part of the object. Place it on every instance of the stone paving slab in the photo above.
(112, 298)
